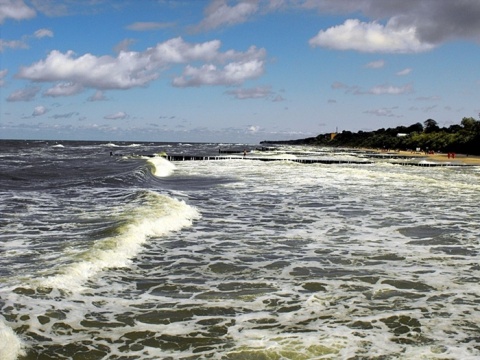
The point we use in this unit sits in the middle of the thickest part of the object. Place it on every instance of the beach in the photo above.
(436, 157)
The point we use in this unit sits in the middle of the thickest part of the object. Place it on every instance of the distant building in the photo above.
(401, 135)
(332, 135)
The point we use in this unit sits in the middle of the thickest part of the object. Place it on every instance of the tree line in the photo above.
(463, 138)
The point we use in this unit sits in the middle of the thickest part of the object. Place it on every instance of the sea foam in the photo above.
(163, 167)
(11, 346)
(155, 216)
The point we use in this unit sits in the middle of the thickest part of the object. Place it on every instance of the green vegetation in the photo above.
(463, 138)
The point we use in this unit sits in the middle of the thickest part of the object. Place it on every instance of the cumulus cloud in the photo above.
(39, 110)
(219, 13)
(131, 69)
(117, 116)
(41, 33)
(232, 74)
(410, 25)
(370, 37)
(26, 94)
(127, 70)
(15, 9)
(63, 89)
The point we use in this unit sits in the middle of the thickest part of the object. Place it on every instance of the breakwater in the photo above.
(175, 158)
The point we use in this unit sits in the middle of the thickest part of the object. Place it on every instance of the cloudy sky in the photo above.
(233, 70)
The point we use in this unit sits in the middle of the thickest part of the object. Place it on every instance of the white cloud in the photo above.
(252, 93)
(391, 90)
(428, 98)
(39, 110)
(63, 89)
(219, 13)
(253, 129)
(376, 90)
(259, 92)
(123, 45)
(148, 26)
(15, 9)
(23, 43)
(370, 37)
(135, 69)
(41, 33)
(3, 74)
(378, 64)
(117, 116)
(404, 72)
(65, 116)
(433, 21)
(383, 112)
(12, 44)
(26, 94)
(98, 96)
(128, 70)
(232, 74)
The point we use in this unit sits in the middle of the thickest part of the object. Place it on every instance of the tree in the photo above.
(430, 126)
(415, 128)
(470, 124)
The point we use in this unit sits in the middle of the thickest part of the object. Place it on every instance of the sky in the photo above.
(238, 71)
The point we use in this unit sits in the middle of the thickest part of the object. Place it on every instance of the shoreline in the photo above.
(435, 157)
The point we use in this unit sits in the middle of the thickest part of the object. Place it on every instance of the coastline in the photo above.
(435, 157)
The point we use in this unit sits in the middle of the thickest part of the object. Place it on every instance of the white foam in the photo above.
(163, 167)
(157, 216)
(11, 347)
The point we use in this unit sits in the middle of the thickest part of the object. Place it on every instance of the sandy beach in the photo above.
(443, 157)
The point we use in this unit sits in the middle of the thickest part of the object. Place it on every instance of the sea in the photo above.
(108, 250)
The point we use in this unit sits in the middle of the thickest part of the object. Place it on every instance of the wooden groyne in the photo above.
(393, 160)
(175, 158)
(302, 161)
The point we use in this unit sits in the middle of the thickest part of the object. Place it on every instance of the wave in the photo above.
(11, 346)
(162, 167)
(150, 215)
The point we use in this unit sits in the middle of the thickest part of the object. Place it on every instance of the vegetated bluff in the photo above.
(463, 138)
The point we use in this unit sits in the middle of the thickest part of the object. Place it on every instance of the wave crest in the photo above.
(150, 215)
(162, 167)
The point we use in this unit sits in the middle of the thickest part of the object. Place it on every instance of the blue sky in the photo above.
(233, 71)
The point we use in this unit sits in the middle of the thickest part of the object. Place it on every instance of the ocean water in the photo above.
(134, 257)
